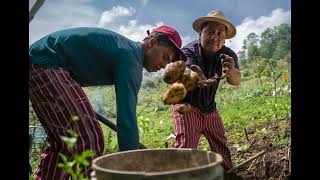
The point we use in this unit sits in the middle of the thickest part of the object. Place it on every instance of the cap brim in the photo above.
(180, 55)
(231, 28)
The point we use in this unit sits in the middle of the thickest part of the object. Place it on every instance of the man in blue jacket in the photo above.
(64, 61)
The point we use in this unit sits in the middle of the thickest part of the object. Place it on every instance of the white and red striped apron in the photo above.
(55, 98)
(190, 127)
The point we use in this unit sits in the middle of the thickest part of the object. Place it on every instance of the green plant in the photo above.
(74, 167)
(262, 132)
(242, 148)
(143, 124)
(280, 138)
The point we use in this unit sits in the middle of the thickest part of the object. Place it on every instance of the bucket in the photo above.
(158, 164)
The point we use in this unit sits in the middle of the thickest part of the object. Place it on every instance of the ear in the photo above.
(152, 42)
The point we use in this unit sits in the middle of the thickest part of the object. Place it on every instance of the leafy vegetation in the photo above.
(75, 166)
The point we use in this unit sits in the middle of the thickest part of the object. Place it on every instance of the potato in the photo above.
(190, 79)
(175, 93)
(174, 71)
(184, 108)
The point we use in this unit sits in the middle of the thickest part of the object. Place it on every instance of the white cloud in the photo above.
(117, 11)
(135, 31)
(60, 14)
(249, 25)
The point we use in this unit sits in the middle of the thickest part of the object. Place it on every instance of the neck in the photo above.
(207, 54)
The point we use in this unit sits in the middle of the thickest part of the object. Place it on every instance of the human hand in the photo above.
(203, 82)
(184, 108)
(227, 61)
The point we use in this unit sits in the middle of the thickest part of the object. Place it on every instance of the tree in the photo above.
(242, 54)
(282, 37)
(267, 43)
(259, 69)
(258, 54)
(250, 48)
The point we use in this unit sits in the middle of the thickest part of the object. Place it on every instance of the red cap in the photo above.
(174, 37)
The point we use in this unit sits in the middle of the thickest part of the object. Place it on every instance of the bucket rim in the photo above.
(218, 161)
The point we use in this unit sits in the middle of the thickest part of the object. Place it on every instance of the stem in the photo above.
(245, 131)
(275, 93)
(77, 171)
(260, 81)
(109, 138)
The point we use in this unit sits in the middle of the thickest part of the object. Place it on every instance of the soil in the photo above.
(274, 164)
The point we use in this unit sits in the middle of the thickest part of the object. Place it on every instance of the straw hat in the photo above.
(216, 16)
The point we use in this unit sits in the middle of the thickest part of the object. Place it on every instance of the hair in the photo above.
(205, 24)
(161, 38)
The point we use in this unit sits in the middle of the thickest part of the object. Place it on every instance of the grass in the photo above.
(240, 107)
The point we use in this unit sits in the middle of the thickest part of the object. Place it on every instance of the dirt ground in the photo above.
(274, 164)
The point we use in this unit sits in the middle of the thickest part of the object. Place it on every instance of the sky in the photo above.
(132, 18)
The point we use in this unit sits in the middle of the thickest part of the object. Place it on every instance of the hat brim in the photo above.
(231, 29)
(180, 55)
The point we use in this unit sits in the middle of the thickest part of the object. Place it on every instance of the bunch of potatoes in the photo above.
(182, 79)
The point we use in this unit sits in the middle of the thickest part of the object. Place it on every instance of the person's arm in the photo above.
(128, 81)
(234, 77)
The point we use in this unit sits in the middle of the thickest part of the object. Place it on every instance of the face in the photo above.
(157, 56)
(213, 37)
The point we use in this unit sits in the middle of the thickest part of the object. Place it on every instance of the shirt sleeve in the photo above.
(127, 84)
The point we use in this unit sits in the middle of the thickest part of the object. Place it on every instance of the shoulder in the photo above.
(113, 40)
(228, 51)
(191, 46)
(191, 49)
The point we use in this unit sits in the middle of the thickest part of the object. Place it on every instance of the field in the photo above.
(251, 108)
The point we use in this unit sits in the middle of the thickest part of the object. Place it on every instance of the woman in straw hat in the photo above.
(207, 53)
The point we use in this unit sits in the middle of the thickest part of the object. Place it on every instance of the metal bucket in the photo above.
(158, 164)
